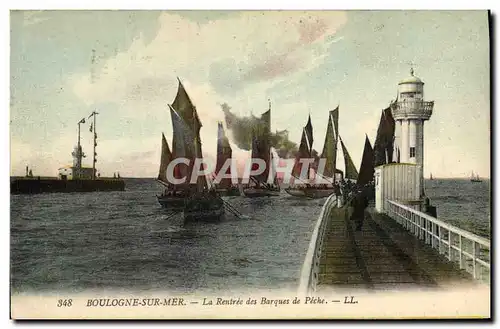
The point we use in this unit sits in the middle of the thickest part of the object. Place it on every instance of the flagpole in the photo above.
(95, 144)
(92, 129)
(78, 153)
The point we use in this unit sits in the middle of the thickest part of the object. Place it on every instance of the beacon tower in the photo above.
(410, 111)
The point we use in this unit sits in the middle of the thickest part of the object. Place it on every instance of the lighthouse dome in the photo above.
(412, 79)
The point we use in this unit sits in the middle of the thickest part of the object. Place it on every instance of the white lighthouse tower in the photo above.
(403, 181)
(410, 111)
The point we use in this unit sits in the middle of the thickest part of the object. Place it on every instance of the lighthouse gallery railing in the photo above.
(469, 250)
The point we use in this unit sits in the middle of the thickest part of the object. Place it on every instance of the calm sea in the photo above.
(125, 240)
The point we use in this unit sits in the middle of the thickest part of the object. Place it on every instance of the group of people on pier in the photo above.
(356, 196)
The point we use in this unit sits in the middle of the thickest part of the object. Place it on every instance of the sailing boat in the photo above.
(224, 153)
(259, 185)
(475, 178)
(306, 189)
(201, 203)
(330, 173)
(172, 198)
(431, 178)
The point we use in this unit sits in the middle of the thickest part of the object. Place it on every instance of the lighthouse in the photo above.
(410, 111)
(403, 180)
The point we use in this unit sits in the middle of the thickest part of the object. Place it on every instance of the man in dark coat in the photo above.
(359, 204)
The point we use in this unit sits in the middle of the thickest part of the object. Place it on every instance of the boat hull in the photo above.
(253, 192)
(310, 193)
(233, 191)
(295, 192)
(204, 215)
(171, 202)
(204, 208)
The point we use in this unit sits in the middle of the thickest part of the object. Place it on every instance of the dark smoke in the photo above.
(241, 129)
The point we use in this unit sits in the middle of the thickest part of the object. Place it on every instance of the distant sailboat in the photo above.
(258, 185)
(475, 178)
(431, 178)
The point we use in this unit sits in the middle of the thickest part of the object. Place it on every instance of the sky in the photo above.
(304, 62)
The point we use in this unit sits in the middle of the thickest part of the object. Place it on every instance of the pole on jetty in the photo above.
(94, 114)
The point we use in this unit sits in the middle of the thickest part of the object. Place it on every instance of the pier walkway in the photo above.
(387, 254)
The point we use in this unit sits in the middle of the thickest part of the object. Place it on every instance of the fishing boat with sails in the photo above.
(259, 185)
(330, 176)
(201, 202)
(225, 187)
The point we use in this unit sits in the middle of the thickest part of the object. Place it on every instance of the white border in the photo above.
(184, 4)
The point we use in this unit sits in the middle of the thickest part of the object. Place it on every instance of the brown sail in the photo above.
(309, 133)
(224, 153)
(383, 148)
(190, 125)
(350, 170)
(303, 153)
(366, 169)
(261, 145)
(166, 157)
(181, 146)
(330, 147)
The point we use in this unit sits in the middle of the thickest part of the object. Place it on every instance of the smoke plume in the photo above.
(241, 130)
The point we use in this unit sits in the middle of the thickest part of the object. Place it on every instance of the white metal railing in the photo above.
(471, 251)
(310, 268)
(416, 108)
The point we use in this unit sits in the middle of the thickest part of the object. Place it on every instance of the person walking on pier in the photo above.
(360, 203)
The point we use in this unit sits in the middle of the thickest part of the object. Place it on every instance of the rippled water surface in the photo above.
(125, 239)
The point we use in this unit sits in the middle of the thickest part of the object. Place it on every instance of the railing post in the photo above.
(424, 229)
(449, 244)
(433, 233)
(461, 251)
(474, 259)
(440, 241)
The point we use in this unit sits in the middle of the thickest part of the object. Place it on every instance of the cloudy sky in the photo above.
(305, 62)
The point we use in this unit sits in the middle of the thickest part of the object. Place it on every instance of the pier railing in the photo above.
(310, 268)
(469, 250)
